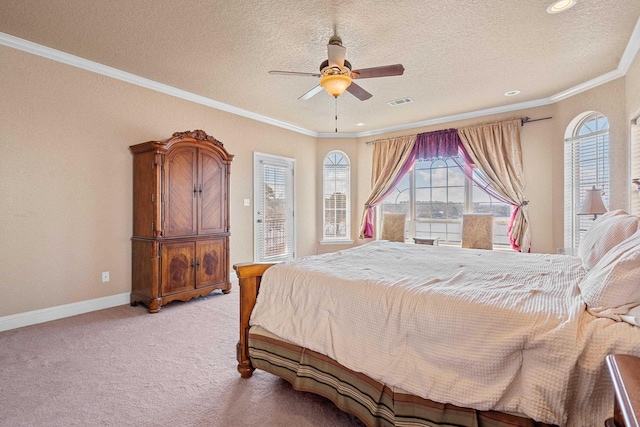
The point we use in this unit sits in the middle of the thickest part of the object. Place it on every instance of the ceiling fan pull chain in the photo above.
(336, 99)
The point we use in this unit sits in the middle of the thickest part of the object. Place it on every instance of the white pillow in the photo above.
(612, 287)
(605, 233)
(633, 316)
(608, 214)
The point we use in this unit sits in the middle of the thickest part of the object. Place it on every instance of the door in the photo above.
(211, 262)
(274, 226)
(180, 192)
(212, 193)
(178, 267)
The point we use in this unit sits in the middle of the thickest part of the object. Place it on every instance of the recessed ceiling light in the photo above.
(561, 6)
(512, 93)
(360, 124)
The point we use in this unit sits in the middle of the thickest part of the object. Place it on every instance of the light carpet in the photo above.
(125, 367)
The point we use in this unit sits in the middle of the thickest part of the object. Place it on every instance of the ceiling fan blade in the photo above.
(336, 53)
(358, 92)
(293, 73)
(384, 71)
(310, 94)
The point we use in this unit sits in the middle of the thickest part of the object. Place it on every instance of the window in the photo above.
(336, 172)
(586, 164)
(273, 201)
(436, 193)
(635, 167)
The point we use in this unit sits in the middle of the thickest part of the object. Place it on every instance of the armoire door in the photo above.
(178, 267)
(212, 193)
(181, 192)
(211, 263)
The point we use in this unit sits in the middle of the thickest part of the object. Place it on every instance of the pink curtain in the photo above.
(495, 149)
(392, 159)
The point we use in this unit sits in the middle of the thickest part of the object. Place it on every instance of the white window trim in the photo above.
(342, 240)
(634, 167)
(411, 222)
(574, 225)
(290, 164)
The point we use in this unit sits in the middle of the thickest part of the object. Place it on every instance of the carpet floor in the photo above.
(125, 367)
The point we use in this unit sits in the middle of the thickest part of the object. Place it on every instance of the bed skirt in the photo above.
(375, 404)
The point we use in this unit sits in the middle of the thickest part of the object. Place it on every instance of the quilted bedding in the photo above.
(481, 329)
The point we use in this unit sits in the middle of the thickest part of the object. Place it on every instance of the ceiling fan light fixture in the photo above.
(335, 84)
(560, 6)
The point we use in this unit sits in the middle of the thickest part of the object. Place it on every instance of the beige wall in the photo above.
(632, 90)
(66, 173)
(607, 99)
(66, 177)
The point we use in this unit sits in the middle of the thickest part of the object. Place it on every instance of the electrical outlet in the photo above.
(247, 202)
(105, 276)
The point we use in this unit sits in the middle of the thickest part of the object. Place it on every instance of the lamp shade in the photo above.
(593, 204)
(335, 84)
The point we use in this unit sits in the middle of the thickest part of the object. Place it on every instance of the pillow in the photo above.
(608, 214)
(633, 316)
(612, 287)
(605, 233)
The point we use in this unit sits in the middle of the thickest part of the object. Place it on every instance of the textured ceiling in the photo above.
(459, 56)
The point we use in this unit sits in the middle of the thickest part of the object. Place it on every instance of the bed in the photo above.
(415, 335)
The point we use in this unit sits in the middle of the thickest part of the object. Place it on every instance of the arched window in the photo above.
(586, 165)
(336, 191)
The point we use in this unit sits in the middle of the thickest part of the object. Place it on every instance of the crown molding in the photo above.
(105, 70)
(446, 119)
(630, 52)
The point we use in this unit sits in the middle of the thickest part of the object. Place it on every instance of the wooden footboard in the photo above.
(249, 276)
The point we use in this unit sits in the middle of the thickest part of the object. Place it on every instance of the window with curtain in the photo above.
(436, 193)
(586, 164)
(336, 178)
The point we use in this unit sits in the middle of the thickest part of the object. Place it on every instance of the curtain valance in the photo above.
(436, 145)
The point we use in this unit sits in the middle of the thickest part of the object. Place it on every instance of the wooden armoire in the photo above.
(180, 243)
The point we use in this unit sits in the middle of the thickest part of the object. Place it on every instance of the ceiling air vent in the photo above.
(400, 101)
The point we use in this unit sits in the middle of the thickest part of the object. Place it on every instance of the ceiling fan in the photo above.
(336, 73)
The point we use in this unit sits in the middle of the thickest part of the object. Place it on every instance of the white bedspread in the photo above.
(481, 329)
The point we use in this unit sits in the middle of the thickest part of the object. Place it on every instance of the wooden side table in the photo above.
(625, 374)
(433, 241)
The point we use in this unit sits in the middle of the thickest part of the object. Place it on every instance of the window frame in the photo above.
(281, 234)
(452, 226)
(576, 143)
(344, 165)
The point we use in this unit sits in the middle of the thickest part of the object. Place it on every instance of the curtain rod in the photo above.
(526, 120)
(523, 121)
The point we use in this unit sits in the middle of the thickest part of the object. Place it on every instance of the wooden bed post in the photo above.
(249, 276)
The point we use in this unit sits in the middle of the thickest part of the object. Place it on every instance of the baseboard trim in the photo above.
(61, 311)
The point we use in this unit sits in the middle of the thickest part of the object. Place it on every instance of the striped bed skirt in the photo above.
(375, 404)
